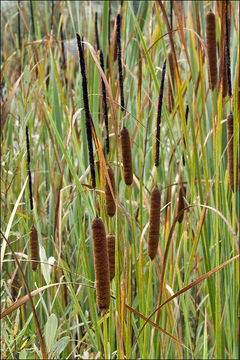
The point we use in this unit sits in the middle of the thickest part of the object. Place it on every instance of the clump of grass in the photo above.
(154, 222)
(109, 200)
(126, 156)
(101, 265)
(211, 48)
(111, 254)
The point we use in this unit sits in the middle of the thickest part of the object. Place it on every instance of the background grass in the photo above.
(48, 98)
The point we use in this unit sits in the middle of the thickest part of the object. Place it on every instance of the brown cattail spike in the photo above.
(101, 265)
(181, 203)
(230, 163)
(109, 200)
(154, 223)
(111, 255)
(34, 251)
(126, 156)
(171, 79)
(211, 48)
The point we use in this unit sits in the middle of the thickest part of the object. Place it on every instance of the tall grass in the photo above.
(184, 303)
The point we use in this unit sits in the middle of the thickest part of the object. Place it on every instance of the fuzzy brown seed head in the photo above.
(211, 48)
(34, 251)
(171, 78)
(111, 255)
(230, 163)
(154, 222)
(126, 156)
(109, 200)
(181, 202)
(101, 265)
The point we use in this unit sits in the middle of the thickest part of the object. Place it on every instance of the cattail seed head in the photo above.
(181, 202)
(211, 48)
(101, 265)
(230, 163)
(171, 77)
(111, 255)
(34, 251)
(154, 222)
(126, 156)
(109, 200)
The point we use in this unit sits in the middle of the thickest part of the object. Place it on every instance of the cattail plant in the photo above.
(104, 104)
(101, 265)
(111, 255)
(181, 202)
(171, 82)
(230, 163)
(87, 111)
(227, 48)
(154, 222)
(126, 156)
(34, 251)
(211, 48)
(109, 200)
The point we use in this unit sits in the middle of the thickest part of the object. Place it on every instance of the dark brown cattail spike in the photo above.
(96, 31)
(109, 200)
(159, 115)
(181, 202)
(87, 112)
(126, 156)
(154, 222)
(170, 97)
(230, 163)
(111, 255)
(34, 248)
(104, 103)
(19, 27)
(186, 118)
(227, 48)
(29, 171)
(211, 48)
(120, 60)
(101, 265)
(33, 25)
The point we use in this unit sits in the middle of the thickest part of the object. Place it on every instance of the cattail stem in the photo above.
(29, 171)
(87, 111)
(96, 31)
(211, 48)
(101, 265)
(154, 222)
(104, 103)
(227, 49)
(120, 60)
(19, 27)
(32, 17)
(159, 115)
